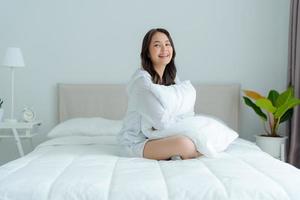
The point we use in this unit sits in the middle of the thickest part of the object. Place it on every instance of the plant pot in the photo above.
(1, 114)
(272, 145)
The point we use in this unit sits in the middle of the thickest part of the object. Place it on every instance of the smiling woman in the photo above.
(158, 56)
(158, 67)
(160, 51)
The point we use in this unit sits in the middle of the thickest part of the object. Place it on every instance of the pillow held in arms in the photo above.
(93, 126)
(160, 106)
(170, 110)
(209, 135)
(178, 99)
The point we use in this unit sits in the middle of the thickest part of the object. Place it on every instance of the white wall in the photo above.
(99, 41)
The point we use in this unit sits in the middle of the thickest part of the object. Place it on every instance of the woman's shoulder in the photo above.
(177, 79)
(140, 79)
(140, 73)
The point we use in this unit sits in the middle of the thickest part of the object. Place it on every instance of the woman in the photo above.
(158, 67)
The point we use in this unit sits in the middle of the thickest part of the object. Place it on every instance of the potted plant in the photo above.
(1, 110)
(273, 110)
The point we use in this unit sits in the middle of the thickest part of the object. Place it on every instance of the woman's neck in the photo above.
(160, 70)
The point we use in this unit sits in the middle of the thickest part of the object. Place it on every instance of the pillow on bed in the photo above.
(85, 140)
(209, 134)
(95, 126)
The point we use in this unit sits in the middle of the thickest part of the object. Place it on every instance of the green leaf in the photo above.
(273, 95)
(265, 104)
(287, 115)
(256, 109)
(284, 97)
(285, 107)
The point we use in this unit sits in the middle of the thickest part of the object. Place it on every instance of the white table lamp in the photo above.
(13, 59)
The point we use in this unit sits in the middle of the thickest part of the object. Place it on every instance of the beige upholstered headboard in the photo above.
(110, 101)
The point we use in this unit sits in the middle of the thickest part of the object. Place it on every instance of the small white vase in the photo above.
(272, 145)
(1, 114)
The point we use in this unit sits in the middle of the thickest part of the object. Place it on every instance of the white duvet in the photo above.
(89, 168)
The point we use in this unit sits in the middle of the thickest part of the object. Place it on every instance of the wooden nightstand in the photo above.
(19, 130)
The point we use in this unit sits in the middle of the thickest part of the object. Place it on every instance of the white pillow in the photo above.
(178, 99)
(147, 105)
(160, 105)
(95, 126)
(209, 135)
(83, 140)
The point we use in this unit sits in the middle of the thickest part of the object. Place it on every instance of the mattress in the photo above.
(81, 167)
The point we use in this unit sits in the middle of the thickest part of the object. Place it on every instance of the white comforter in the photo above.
(85, 168)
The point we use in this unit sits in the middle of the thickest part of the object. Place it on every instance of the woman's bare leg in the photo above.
(165, 148)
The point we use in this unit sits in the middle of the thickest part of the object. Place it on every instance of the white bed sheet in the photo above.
(86, 168)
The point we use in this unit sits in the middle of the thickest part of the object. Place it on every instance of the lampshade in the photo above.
(13, 57)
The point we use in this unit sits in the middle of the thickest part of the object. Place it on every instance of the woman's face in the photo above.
(160, 49)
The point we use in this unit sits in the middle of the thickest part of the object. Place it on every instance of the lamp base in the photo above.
(11, 120)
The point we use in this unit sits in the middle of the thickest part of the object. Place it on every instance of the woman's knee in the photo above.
(186, 147)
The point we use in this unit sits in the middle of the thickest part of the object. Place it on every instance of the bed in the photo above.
(89, 167)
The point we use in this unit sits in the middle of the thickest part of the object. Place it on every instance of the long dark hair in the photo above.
(169, 75)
